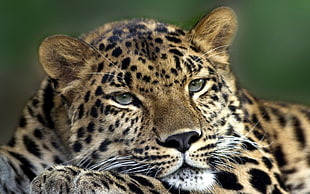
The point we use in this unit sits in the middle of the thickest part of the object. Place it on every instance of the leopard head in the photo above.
(146, 97)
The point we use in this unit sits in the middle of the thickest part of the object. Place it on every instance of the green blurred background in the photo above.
(270, 54)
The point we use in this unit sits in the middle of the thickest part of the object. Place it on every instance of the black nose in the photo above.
(181, 141)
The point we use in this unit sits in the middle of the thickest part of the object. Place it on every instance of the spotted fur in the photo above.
(139, 106)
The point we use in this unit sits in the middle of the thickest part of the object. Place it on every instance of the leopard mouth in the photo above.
(190, 178)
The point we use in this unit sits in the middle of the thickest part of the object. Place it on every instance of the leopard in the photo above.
(141, 106)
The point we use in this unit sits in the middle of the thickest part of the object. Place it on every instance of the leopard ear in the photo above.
(63, 58)
(216, 30)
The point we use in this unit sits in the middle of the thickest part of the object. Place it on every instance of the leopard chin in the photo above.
(188, 178)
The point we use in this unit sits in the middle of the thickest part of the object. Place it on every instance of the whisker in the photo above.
(210, 56)
(212, 50)
(105, 58)
(157, 171)
(103, 73)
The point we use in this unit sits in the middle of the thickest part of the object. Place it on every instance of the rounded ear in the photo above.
(63, 57)
(216, 30)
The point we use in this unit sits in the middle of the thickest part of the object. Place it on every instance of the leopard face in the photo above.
(143, 96)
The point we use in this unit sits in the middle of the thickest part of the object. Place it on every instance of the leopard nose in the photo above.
(181, 141)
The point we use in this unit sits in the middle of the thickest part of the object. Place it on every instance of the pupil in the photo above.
(196, 85)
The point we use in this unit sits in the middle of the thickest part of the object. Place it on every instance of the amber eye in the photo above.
(196, 85)
(124, 98)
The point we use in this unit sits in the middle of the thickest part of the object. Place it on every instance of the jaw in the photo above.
(191, 179)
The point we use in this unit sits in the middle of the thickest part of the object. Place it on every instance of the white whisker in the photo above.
(212, 50)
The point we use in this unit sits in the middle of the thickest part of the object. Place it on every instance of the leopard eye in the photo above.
(124, 98)
(196, 85)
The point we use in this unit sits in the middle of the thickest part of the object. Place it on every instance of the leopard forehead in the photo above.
(146, 55)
